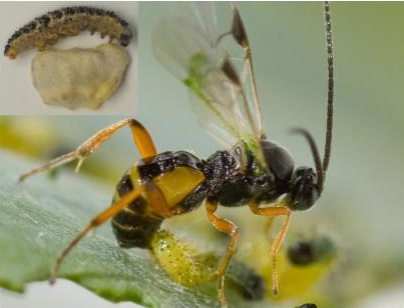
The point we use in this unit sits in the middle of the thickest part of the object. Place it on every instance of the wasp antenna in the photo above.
(330, 94)
(315, 153)
(238, 30)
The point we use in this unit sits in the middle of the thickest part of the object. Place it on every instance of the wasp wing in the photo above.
(188, 44)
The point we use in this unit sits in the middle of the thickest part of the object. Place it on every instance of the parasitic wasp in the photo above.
(253, 170)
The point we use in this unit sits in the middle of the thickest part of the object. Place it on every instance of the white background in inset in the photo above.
(17, 93)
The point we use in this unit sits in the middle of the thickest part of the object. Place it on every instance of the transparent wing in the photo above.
(188, 44)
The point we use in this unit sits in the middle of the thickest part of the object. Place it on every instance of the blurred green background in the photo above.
(363, 201)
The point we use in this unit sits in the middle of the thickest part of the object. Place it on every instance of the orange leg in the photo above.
(141, 138)
(273, 212)
(95, 222)
(226, 226)
(268, 226)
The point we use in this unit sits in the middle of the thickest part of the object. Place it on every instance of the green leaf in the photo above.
(41, 216)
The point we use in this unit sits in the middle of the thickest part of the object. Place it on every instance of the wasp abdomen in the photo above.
(177, 177)
(135, 225)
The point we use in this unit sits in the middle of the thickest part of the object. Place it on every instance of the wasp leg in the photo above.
(143, 140)
(273, 212)
(268, 226)
(141, 137)
(95, 222)
(226, 226)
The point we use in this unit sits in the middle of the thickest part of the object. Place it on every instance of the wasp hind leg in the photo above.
(95, 222)
(272, 212)
(141, 137)
(226, 226)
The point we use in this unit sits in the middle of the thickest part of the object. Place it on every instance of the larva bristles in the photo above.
(48, 28)
(181, 261)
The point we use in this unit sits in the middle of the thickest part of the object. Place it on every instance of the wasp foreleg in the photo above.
(226, 226)
(274, 211)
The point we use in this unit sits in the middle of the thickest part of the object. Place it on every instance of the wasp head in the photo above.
(304, 190)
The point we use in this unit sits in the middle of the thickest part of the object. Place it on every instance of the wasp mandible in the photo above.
(254, 170)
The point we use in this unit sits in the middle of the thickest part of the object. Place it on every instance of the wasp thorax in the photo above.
(279, 160)
(303, 190)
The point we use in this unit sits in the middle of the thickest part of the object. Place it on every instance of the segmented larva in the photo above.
(48, 28)
(181, 261)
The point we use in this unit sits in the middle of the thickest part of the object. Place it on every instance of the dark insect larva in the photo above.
(306, 252)
(48, 28)
(308, 305)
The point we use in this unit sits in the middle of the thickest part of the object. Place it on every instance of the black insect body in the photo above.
(254, 171)
(224, 183)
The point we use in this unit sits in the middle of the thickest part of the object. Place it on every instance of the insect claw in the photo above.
(79, 163)
(275, 284)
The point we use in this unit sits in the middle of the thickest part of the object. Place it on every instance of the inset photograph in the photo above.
(68, 58)
(264, 169)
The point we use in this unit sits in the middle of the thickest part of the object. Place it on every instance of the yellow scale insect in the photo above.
(304, 262)
(254, 170)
